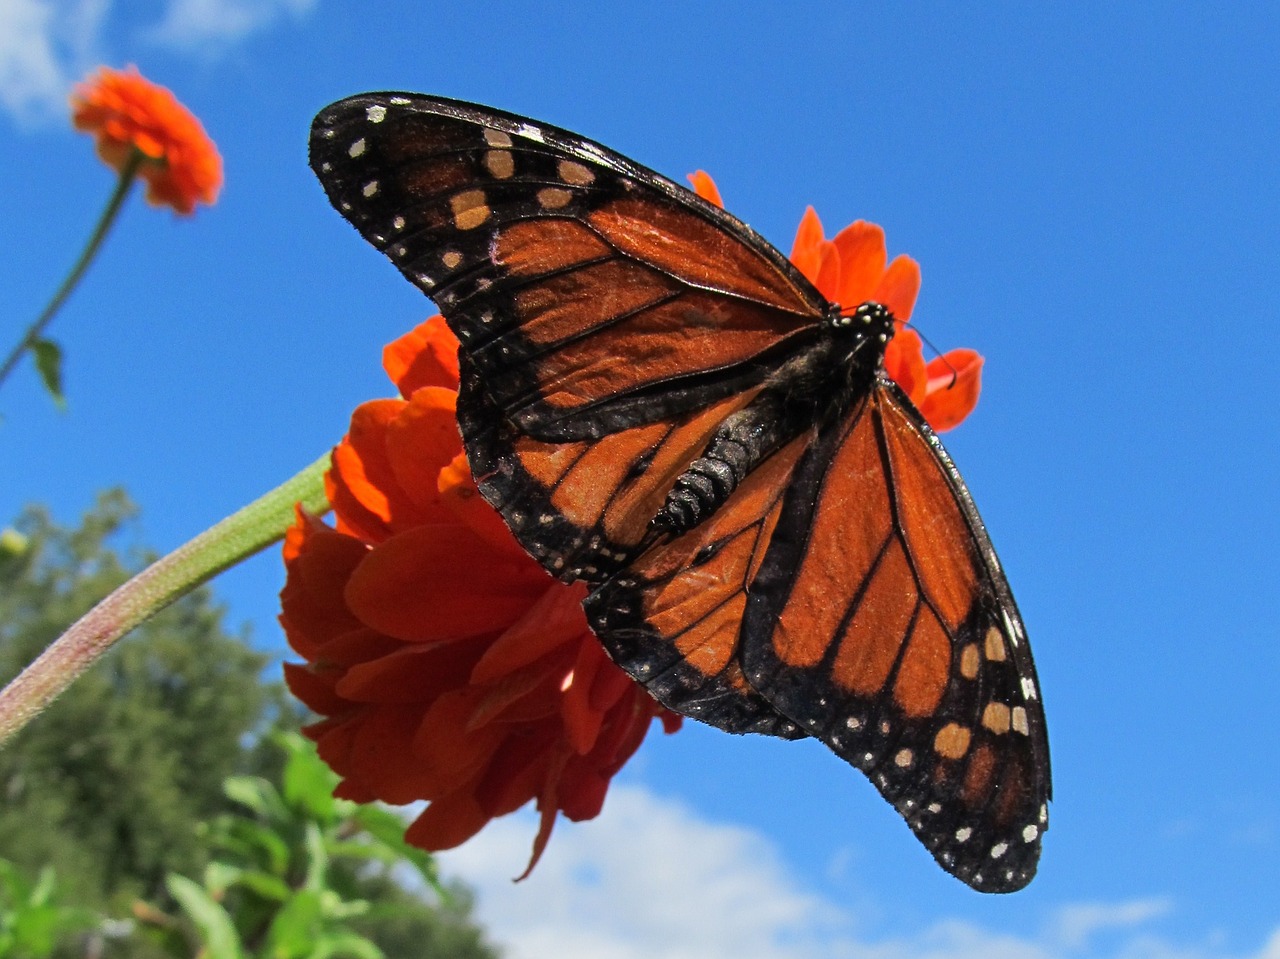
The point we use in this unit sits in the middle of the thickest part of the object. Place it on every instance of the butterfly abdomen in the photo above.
(820, 383)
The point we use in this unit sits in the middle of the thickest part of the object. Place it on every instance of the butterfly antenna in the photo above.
(955, 374)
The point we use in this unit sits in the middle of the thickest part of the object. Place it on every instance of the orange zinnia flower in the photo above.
(127, 114)
(851, 269)
(449, 666)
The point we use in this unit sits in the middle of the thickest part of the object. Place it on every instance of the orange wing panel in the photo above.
(849, 530)
(935, 528)
(689, 247)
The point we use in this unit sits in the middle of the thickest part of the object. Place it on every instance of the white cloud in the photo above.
(48, 45)
(650, 879)
(1077, 923)
(45, 46)
(646, 880)
(210, 25)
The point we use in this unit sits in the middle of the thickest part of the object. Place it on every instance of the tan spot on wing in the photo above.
(996, 717)
(994, 646)
(500, 163)
(904, 758)
(496, 138)
(469, 209)
(952, 741)
(1019, 721)
(451, 259)
(575, 173)
(969, 661)
(553, 198)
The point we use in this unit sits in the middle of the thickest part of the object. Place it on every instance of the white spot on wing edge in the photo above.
(375, 113)
(356, 149)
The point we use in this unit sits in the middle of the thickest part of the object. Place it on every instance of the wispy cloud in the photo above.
(212, 25)
(47, 45)
(44, 47)
(650, 879)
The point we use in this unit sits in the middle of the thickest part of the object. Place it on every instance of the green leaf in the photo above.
(257, 794)
(317, 858)
(388, 828)
(217, 932)
(295, 926)
(265, 885)
(308, 782)
(48, 357)
(345, 944)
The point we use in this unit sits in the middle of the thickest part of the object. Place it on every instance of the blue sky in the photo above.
(1091, 190)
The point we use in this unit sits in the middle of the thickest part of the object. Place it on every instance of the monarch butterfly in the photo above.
(660, 404)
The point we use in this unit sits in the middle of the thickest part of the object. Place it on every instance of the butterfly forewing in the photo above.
(609, 322)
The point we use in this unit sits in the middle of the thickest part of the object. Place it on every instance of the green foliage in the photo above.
(291, 875)
(154, 793)
(48, 357)
(32, 921)
(106, 784)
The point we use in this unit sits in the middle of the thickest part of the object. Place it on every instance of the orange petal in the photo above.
(436, 583)
(520, 770)
(421, 441)
(904, 362)
(312, 608)
(447, 748)
(806, 252)
(425, 356)
(556, 618)
(581, 791)
(899, 287)
(447, 822)
(313, 686)
(364, 490)
(581, 721)
(417, 673)
(955, 380)
(379, 755)
(706, 187)
(459, 495)
(828, 279)
(862, 260)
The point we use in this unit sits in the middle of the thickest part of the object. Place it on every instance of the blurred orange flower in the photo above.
(449, 666)
(854, 267)
(126, 113)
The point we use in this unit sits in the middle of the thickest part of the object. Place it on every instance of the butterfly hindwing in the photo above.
(881, 623)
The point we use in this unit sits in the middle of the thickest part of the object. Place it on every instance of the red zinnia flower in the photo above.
(449, 666)
(127, 113)
(851, 269)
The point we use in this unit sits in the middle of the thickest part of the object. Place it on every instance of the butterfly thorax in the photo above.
(817, 385)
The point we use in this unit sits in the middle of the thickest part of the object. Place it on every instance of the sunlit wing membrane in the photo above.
(591, 294)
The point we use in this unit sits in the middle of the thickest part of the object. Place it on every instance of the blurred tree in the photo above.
(109, 785)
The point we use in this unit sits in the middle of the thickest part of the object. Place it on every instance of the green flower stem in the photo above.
(237, 537)
(128, 174)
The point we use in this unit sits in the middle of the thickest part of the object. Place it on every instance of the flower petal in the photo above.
(899, 287)
(706, 187)
(904, 362)
(471, 592)
(425, 356)
(807, 251)
(126, 112)
(955, 380)
(862, 260)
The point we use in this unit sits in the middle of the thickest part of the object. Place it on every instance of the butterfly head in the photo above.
(869, 326)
